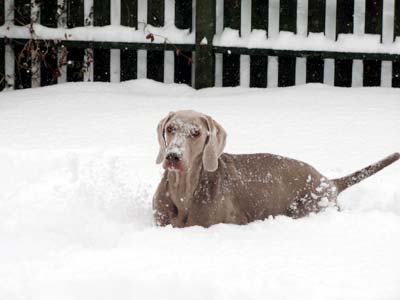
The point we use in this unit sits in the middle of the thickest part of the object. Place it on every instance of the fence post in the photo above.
(205, 57)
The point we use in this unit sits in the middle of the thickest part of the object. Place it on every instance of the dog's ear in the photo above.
(161, 137)
(215, 144)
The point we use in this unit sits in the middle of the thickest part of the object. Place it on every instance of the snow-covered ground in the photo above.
(77, 175)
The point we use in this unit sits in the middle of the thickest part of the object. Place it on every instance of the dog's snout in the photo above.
(173, 157)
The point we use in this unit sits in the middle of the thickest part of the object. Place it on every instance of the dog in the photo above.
(203, 186)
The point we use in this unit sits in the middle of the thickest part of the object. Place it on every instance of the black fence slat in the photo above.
(372, 72)
(259, 63)
(316, 23)
(258, 71)
(2, 15)
(396, 18)
(183, 60)
(232, 14)
(23, 78)
(2, 65)
(155, 12)
(155, 59)
(344, 16)
(183, 14)
(287, 22)
(231, 69)
(343, 72)
(259, 14)
(2, 51)
(396, 64)
(75, 65)
(155, 65)
(101, 57)
(183, 67)
(396, 74)
(315, 70)
(231, 62)
(288, 15)
(75, 56)
(129, 17)
(128, 64)
(101, 12)
(48, 13)
(286, 71)
(344, 24)
(373, 16)
(316, 15)
(49, 71)
(75, 13)
(101, 65)
(22, 12)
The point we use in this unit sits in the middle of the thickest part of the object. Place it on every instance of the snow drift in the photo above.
(77, 175)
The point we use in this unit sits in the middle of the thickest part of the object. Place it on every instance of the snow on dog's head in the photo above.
(188, 138)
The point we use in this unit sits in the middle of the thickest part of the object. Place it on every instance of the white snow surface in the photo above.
(77, 175)
(109, 33)
(285, 40)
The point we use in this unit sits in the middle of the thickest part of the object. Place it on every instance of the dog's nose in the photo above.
(173, 157)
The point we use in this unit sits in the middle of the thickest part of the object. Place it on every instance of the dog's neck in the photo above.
(183, 185)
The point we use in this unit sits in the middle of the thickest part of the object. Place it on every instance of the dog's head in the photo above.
(185, 136)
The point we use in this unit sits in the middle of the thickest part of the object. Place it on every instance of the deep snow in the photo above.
(77, 175)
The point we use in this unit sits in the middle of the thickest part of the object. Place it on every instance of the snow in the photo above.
(109, 33)
(285, 40)
(77, 174)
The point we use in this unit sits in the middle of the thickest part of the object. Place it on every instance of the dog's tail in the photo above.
(349, 180)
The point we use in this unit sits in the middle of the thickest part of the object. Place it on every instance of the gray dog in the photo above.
(203, 186)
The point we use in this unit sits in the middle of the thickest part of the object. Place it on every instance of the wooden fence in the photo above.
(29, 59)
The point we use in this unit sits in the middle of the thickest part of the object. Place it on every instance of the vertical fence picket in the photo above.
(287, 22)
(22, 16)
(115, 54)
(245, 30)
(396, 64)
(316, 24)
(259, 63)
(231, 62)
(344, 24)
(155, 59)
(101, 57)
(48, 68)
(387, 38)
(75, 56)
(183, 60)
(373, 25)
(219, 28)
(129, 17)
(169, 55)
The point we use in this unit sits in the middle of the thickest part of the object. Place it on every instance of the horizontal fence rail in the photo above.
(203, 43)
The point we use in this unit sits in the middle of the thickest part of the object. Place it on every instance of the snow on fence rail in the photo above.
(257, 43)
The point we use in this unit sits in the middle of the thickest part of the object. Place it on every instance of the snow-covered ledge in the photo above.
(110, 33)
(257, 39)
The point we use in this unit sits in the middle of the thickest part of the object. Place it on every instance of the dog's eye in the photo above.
(195, 132)
(170, 129)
